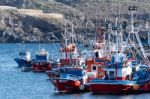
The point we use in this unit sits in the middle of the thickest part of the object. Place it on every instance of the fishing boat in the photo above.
(75, 77)
(24, 59)
(127, 70)
(70, 75)
(69, 54)
(41, 63)
(123, 80)
(68, 79)
(86, 73)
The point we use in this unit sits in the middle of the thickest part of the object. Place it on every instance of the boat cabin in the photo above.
(120, 68)
(25, 55)
(115, 73)
(42, 55)
(95, 68)
(70, 56)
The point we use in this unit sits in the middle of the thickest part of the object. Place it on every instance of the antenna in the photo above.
(119, 8)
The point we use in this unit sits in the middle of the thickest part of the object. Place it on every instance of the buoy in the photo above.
(77, 83)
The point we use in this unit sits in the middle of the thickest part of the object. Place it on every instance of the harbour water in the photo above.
(15, 84)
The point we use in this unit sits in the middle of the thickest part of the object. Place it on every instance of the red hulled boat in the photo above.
(128, 70)
(68, 79)
(41, 63)
(139, 81)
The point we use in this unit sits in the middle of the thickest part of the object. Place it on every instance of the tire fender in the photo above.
(82, 87)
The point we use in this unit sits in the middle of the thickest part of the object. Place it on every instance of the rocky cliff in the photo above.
(44, 20)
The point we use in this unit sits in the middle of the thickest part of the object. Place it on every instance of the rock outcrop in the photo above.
(40, 20)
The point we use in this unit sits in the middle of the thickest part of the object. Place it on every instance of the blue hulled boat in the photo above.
(24, 59)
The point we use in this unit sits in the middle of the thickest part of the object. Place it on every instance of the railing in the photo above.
(57, 75)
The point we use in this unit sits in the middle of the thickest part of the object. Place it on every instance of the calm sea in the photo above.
(15, 84)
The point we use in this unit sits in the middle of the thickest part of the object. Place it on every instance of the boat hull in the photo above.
(119, 86)
(23, 62)
(68, 85)
(68, 61)
(41, 66)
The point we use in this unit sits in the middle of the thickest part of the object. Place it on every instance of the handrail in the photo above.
(58, 74)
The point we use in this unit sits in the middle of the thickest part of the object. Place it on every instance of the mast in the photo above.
(66, 43)
(73, 41)
(65, 36)
(133, 9)
(132, 23)
(117, 36)
(72, 34)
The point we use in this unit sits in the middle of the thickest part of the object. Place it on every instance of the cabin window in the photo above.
(83, 63)
(94, 68)
(133, 69)
(111, 75)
